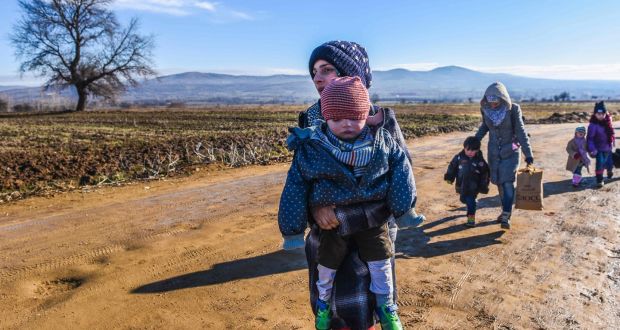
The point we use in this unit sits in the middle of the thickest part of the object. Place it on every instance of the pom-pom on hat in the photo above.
(345, 98)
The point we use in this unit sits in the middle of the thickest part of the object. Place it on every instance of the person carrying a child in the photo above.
(339, 162)
(577, 149)
(471, 172)
(353, 304)
(601, 139)
(339, 58)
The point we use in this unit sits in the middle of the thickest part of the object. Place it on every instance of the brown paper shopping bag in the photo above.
(529, 189)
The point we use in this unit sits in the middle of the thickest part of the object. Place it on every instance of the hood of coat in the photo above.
(499, 90)
(299, 135)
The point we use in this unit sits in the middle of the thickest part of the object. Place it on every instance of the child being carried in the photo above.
(341, 162)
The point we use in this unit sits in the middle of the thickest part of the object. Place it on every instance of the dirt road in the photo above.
(203, 252)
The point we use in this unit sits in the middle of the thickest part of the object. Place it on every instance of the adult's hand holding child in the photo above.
(325, 217)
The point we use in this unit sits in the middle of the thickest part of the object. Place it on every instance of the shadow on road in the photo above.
(273, 263)
(412, 243)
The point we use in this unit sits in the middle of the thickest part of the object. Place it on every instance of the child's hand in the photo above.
(448, 182)
(593, 153)
(293, 242)
(376, 119)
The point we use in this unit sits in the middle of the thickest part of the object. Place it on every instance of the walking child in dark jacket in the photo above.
(471, 172)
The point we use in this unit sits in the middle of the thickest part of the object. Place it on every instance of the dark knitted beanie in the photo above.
(600, 107)
(345, 98)
(349, 58)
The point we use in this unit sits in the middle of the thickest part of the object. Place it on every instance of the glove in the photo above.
(577, 156)
(410, 219)
(593, 153)
(529, 160)
(448, 182)
(293, 242)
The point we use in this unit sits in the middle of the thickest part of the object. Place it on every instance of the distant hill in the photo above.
(450, 83)
(4, 88)
(453, 82)
(221, 88)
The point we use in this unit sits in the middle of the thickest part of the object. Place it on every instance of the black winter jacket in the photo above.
(471, 174)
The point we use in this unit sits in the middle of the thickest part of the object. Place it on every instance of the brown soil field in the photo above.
(204, 252)
(41, 154)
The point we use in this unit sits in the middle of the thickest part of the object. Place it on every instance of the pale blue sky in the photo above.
(545, 38)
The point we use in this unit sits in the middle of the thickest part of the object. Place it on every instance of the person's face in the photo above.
(470, 153)
(324, 73)
(600, 115)
(346, 129)
(580, 134)
(495, 104)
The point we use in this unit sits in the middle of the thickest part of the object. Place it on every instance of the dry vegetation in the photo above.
(40, 153)
(44, 153)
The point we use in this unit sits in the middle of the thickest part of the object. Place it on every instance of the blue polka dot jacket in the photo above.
(316, 178)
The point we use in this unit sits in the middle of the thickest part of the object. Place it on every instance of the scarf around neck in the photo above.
(495, 115)
(356, 154)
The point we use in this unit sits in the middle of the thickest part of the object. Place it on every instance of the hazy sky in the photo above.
(553, 39)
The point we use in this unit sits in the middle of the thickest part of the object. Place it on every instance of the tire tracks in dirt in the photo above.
(88, 256)
(231, 225)
(85, 257)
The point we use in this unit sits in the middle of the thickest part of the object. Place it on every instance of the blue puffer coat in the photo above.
(316, 178)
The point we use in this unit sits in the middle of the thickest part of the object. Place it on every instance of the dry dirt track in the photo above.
(203, 252)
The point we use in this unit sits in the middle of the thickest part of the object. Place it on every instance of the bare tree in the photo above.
(80, 43)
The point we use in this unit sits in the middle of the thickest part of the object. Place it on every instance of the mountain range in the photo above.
(450, 84)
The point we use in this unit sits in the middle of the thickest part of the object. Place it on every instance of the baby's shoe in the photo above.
(388, 316)
(323, 315)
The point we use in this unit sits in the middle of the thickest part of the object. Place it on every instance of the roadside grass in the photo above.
(45, 153)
